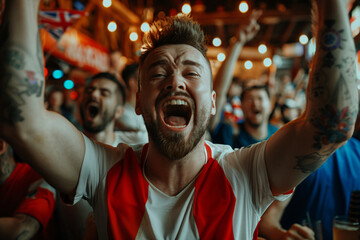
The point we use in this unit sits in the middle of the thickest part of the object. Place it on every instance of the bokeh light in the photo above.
(262, 48)
(57, 74)
(68, 84)
(216, 42)
(248, 64)
(107, 3)
(186, 8)
(112, 26)
(303, 39)
(133, 36)
(221, 57)
(243, 7)
(267, 62)
(145, 27)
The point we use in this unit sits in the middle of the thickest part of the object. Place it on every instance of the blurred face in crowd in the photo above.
(56, 99)
(256, 107)
(100, 104)
(234, 90)
(175, 98)
(290, 114)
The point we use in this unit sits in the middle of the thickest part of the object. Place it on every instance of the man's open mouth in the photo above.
(177, 113)
(92, 110)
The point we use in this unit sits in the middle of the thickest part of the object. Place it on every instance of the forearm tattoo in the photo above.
(310, 162)
(17, 83)
(30, 226)
(332, 100)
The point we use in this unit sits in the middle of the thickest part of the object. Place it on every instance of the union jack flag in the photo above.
(56, 22)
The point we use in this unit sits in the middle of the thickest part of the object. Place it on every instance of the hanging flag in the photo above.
(56, 22)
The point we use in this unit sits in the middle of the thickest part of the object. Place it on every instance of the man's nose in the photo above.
(95, 94)
(175, 82)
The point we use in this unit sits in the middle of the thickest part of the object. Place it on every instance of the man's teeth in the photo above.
(175, 126)
(176, 102)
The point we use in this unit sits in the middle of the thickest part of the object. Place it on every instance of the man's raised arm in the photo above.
(46, 140)
(301, 146)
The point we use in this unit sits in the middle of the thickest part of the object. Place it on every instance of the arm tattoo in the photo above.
(30, 226)
(332, 124)
(310, 162)
(23, 235)
(15, 97)
(17, 84)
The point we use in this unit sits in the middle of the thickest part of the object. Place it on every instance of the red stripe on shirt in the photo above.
(127, 193)
(214, 202)
(40, 206)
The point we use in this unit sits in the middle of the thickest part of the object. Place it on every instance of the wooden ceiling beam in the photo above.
(289, 29)
(268, 17)
(120, 13)
(268, 33)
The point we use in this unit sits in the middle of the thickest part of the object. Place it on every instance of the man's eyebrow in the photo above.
(159, 63)
(192, 63)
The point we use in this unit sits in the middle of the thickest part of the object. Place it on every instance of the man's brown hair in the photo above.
(180, 29)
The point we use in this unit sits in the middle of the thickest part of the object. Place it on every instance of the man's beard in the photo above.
(174, 145)
(105, 120)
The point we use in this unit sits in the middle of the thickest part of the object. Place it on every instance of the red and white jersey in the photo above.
(27, 193)
(225, 201)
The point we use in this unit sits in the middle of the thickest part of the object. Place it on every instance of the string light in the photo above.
(107, 3)
(248, 64)
(112, 26)
(262, 48)
(303, 39)
(133, 36)
(145, 27)
(243, 7)
(221, 57)
(216, 42)
(267, 62)
(186, 8)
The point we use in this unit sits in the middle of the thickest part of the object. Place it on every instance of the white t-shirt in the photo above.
(130, 137)
(72, 218)
(225, 201)
(130, 120)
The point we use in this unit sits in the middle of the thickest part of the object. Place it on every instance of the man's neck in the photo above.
(172, 176)
(7, 166)
(106, 136)
(257, 132)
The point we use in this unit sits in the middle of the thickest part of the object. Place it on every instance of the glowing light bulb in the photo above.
(216, 42)
(262, 48)
(186, 8)
(133, 36)
(267, 62)
(112, 26)
(145, 27)
(303, 39)
(243, 7)
(248, 64)
(107, 3)
(221, 57)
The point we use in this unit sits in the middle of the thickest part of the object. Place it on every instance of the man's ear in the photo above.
(3, 146)
(213, 103)
(119, 111)
(137, 104)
